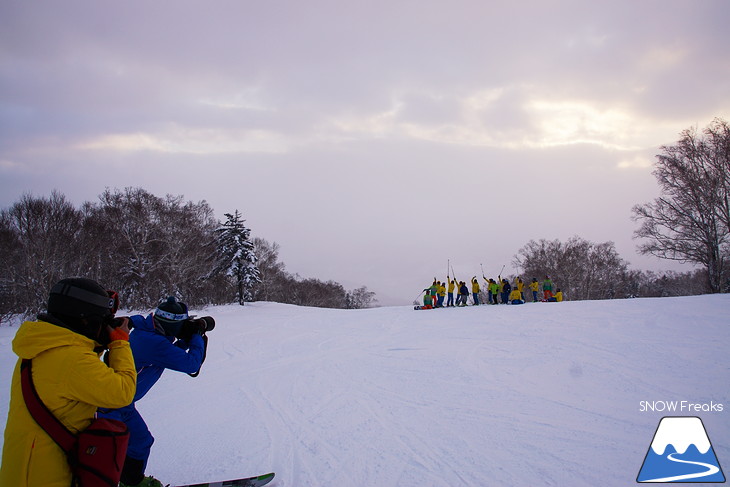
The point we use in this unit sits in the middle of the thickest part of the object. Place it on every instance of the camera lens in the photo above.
(209, 322)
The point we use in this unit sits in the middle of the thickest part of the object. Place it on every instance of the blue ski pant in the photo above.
(140, 438)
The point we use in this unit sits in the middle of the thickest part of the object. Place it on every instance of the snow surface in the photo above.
(538, 394)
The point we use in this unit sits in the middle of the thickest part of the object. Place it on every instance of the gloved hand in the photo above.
(196, 326)
(119, 330)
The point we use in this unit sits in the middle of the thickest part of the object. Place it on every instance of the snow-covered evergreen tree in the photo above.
(236, 258)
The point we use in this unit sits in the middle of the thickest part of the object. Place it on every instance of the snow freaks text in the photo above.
(688, 407)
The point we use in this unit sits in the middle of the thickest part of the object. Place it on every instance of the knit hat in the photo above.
(171, 314)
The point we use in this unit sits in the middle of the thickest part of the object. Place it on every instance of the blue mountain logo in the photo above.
(681, 452)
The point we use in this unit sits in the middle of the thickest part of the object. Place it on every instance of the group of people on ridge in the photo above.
(498, 291)
(65, 346)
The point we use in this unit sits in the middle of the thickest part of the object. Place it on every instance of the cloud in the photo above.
(178, 139)
(506, 117)
(637, 161)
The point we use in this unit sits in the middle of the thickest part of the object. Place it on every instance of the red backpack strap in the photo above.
(45, 418)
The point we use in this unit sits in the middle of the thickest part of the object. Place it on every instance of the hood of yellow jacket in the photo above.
(35, 337)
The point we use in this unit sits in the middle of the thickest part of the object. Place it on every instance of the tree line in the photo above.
(146, 247)
(283, 287)
(589, 270)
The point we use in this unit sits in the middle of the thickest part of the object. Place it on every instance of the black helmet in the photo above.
(171, 314)
(78, 297)
(83, 306)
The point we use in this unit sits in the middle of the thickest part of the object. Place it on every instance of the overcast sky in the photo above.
(372, 140)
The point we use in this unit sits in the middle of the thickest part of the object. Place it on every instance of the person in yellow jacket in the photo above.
(452, 286)
(441, 292)
(486, 288)
(515, 297)
(64, 346)
(475, 290)
(534, 287)
(520, 285)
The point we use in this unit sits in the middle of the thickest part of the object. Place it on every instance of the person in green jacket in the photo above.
(494, 290)
(547, 288)
(427, 299)
(434, 292)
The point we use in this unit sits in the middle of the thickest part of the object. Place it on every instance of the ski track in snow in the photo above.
(538, 394)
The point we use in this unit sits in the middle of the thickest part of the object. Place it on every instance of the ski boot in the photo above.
(148, 481)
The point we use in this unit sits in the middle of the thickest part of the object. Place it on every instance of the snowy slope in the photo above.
(539, 394)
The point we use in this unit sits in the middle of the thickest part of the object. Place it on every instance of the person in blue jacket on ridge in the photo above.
(166, 339)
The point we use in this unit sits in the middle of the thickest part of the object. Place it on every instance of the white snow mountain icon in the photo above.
(681, 452)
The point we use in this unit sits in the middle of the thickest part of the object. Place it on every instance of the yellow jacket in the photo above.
(72, 382)
(535, 286)
(475, 285)
(559, 296)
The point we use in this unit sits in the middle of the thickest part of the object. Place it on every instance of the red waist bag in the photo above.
(96, 455)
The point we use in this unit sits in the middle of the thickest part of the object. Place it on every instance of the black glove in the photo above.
(189, 328)
(195, 326)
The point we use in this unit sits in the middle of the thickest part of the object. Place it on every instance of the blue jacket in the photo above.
(154, 352)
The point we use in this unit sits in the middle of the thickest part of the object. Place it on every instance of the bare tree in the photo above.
(360, 298)
(150, 247)
(582, 269)
(689, 221)
(42, 235)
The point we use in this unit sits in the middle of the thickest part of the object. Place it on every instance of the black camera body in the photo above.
(117, 322)
(193, 326)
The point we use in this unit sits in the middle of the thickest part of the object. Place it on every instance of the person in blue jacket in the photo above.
(165, 339)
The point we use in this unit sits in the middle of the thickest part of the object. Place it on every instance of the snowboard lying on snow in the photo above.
(247, 482)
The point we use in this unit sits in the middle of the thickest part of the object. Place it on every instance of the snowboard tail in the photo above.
(259, 481)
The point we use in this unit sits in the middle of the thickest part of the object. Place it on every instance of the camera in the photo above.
(208, 323)
(117, 322)
(111, 321)
(193, 326)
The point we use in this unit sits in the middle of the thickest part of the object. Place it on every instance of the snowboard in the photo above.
(247, 482)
